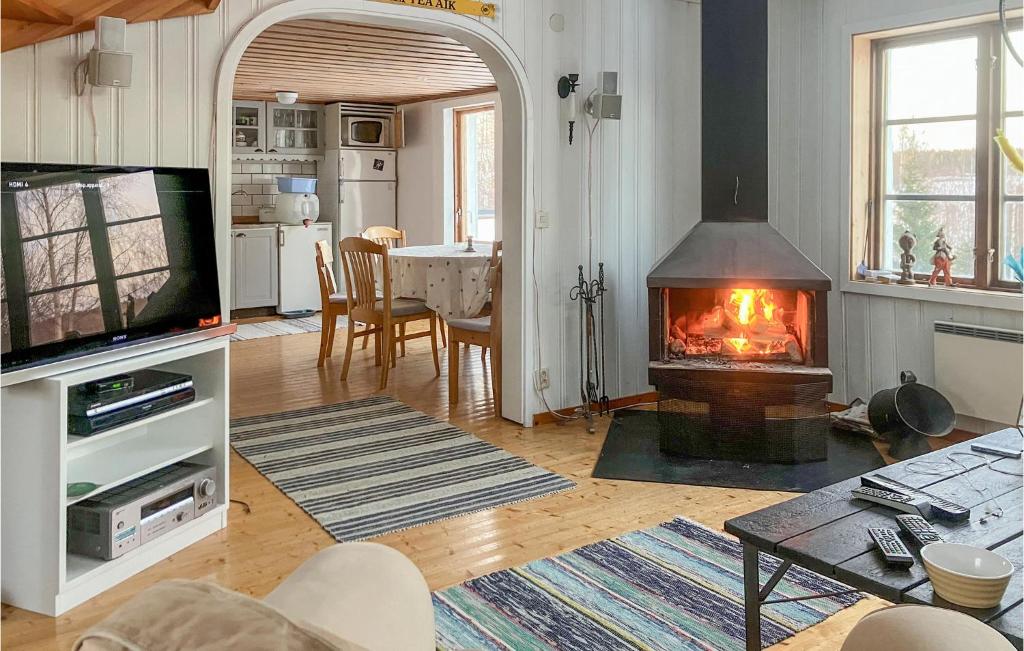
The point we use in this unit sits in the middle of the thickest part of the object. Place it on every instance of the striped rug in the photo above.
(675, 586)
(278, 327)
(372, 466)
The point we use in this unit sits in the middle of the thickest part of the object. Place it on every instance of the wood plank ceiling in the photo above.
(24, 22)
(330, 61)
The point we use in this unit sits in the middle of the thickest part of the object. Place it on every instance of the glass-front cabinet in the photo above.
(294, 128)
(249, 126)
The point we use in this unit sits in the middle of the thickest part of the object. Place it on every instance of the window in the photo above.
(474, 173)
(934, 164)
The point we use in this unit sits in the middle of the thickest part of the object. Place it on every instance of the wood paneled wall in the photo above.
(645, 178)
(872, 337)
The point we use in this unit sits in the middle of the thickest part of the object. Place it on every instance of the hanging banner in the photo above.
(468, 7)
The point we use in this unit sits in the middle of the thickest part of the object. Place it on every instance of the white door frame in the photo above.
(517, 158)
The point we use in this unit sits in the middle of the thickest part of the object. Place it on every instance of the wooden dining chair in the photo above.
(360, 260)
(393, 237)
(483, 331)
(332, 302)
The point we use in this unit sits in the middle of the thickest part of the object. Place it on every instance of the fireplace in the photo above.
(738, 315)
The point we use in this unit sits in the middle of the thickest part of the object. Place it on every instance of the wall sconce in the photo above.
(567, 85)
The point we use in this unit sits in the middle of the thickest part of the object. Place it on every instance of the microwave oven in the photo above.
(365, 131)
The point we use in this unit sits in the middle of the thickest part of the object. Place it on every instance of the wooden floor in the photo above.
(261, 547)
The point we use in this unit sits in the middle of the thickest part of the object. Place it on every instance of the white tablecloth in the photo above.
(452, 282)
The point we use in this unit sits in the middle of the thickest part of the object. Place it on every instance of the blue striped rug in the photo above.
(373, 466)
(675, 586)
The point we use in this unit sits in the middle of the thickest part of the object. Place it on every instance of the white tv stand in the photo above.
(38, 459)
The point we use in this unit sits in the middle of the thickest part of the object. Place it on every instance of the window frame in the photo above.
(458, 114)
(989, 193)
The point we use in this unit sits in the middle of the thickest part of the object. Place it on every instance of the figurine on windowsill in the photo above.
(907, 243)
(942, 260)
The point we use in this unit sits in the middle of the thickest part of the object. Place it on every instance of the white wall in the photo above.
(425, 208)
(872, 338)
(646, 166)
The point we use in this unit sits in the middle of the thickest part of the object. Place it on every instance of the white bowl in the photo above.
(967, 575)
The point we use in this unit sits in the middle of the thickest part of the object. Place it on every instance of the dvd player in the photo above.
(91, 412)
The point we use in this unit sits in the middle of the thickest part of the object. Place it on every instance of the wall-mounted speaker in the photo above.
(110, 34)
(109, 64)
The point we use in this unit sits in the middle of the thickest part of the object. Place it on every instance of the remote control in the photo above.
(996, 450)
(918, 528)
(895, 552)
(942, 509)
(915, 505)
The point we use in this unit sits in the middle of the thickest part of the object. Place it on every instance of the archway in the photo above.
(517, 156)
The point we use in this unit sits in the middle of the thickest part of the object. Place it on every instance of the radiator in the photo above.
(980, 370)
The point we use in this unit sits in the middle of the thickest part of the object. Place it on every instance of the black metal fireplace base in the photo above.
(768, 422)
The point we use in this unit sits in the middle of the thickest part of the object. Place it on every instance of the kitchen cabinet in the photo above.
(254, 275)
(294, 128)
(249, 126)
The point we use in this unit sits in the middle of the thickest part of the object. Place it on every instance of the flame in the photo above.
(739, 344)
(750, 302)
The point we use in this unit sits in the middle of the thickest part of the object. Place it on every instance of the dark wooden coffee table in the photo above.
(827, 531)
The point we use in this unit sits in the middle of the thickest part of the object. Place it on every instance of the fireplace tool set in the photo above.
(592, 352)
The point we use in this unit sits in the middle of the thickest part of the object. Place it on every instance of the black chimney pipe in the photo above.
(734, 110)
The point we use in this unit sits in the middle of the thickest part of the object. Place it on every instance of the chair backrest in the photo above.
(362, 260)
(393, 238)
(495, 252)
(324, 272)
(495, 282)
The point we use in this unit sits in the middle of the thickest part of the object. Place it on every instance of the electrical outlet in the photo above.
(541, 379)
(543, 219)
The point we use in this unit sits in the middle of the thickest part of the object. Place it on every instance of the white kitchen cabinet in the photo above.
(249, 126)
(254, 267)
(294, 128)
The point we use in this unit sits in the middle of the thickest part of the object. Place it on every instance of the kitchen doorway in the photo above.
(512, 192)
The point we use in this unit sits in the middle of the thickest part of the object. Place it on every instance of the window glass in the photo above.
(137, 246)
(923, 219)
(931, 158)
(477, 174)
(53, 262)
(934, 79)
(129, 196)
(49, 210)
(65, 314)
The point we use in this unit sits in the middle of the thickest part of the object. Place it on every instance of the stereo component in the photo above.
(124, 518)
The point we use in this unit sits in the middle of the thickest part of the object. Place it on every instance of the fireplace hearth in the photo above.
(738, 315)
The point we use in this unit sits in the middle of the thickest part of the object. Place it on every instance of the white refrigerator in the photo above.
(298, 286)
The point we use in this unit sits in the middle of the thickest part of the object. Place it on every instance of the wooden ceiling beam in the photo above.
(26, 22)
(38, 11)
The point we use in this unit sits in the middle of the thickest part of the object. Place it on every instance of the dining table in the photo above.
(452, 281)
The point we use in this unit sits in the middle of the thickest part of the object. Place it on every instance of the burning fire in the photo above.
(737, 322)
(751, 302)
(755, 313)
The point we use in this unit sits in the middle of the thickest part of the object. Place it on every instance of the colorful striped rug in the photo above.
(675, 586)
(373, 466)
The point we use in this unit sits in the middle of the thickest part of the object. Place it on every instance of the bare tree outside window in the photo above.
(56, 266)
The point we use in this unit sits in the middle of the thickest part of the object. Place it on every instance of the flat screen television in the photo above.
(95, 257)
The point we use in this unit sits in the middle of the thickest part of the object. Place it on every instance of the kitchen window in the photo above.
(937, 99)
(474, 150)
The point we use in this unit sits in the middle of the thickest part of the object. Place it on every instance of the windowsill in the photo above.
(938, 294)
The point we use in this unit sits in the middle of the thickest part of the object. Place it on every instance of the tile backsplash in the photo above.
(254, 185)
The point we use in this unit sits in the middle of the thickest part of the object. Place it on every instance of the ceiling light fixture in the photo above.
(287, 96)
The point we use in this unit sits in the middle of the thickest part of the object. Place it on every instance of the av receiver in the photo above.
(126, 517)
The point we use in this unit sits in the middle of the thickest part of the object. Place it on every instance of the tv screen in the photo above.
(98, 256)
